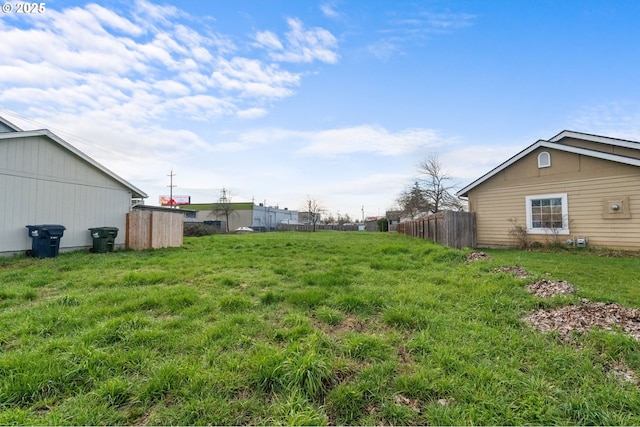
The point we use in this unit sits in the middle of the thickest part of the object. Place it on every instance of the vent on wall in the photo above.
(544, 160)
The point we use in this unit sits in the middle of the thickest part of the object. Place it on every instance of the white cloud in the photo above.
(151, 14)
(135, 153)
(252, 113)
(172, 87)
(328, 10)
(432, 22)
(23, 73)
(384, 49)
(615, 119)
(202, 107)
(252, 78)
(369, 139)
(415, 29)
(465, 164)
(115, 21)
(145, 61)
(269, 40)
(302, 45)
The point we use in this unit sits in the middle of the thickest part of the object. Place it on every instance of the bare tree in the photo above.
(314, 209)
(224, 207)
(436, 186)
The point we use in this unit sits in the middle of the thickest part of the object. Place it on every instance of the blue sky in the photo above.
(336, 100)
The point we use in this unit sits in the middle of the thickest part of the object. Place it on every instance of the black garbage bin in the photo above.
(103, 239)
(45, 240)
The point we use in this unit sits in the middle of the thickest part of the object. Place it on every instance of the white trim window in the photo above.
(548, 214)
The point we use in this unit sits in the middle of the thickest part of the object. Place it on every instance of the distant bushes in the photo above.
(197, 229)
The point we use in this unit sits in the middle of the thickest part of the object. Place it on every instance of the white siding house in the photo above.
(45, 180)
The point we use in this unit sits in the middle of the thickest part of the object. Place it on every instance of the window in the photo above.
(547, 214)
(544, 160)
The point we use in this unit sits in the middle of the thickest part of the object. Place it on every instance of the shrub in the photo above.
(519, 234)
(197, 230)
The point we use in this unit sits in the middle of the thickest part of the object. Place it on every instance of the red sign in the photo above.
(177, 200)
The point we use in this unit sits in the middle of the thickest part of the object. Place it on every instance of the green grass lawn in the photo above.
(307, 328)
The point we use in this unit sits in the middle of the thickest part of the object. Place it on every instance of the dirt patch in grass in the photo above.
(478, 256)
(516, 270)
(414, 404)
(623, 372)
(349, 324)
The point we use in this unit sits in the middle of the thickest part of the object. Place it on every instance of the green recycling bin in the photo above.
(103, 239)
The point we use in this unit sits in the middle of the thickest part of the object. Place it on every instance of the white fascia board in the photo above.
(593, 153)
(499, 168)
(553, 145)
(9, 124)
(596, 138)
(45, 132)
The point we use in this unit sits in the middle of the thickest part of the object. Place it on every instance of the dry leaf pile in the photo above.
(580, 318)
(586, 316)
(547, 288)
(517, 271)
(478, 256)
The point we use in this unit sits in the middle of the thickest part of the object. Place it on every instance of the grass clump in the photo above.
(329, 315)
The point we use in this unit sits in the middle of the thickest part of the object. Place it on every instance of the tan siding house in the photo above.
(45, 180)
(573, 186)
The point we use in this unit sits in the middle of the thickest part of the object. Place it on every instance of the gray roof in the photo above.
(135, 191)
(9, 124)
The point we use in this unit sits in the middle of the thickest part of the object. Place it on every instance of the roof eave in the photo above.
(464, 192)
(596, 138)
(9, 124)
(135, 191)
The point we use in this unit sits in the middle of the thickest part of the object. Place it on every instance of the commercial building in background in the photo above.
(243, 214)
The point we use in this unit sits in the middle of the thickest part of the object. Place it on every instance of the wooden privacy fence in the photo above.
(152, 230)
(450, 228)
(309, 227)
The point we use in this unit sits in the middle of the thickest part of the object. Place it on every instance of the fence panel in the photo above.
(450, 228)
(152, 230)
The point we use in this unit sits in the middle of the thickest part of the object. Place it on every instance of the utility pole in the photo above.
(171, 201)
(363, 214)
